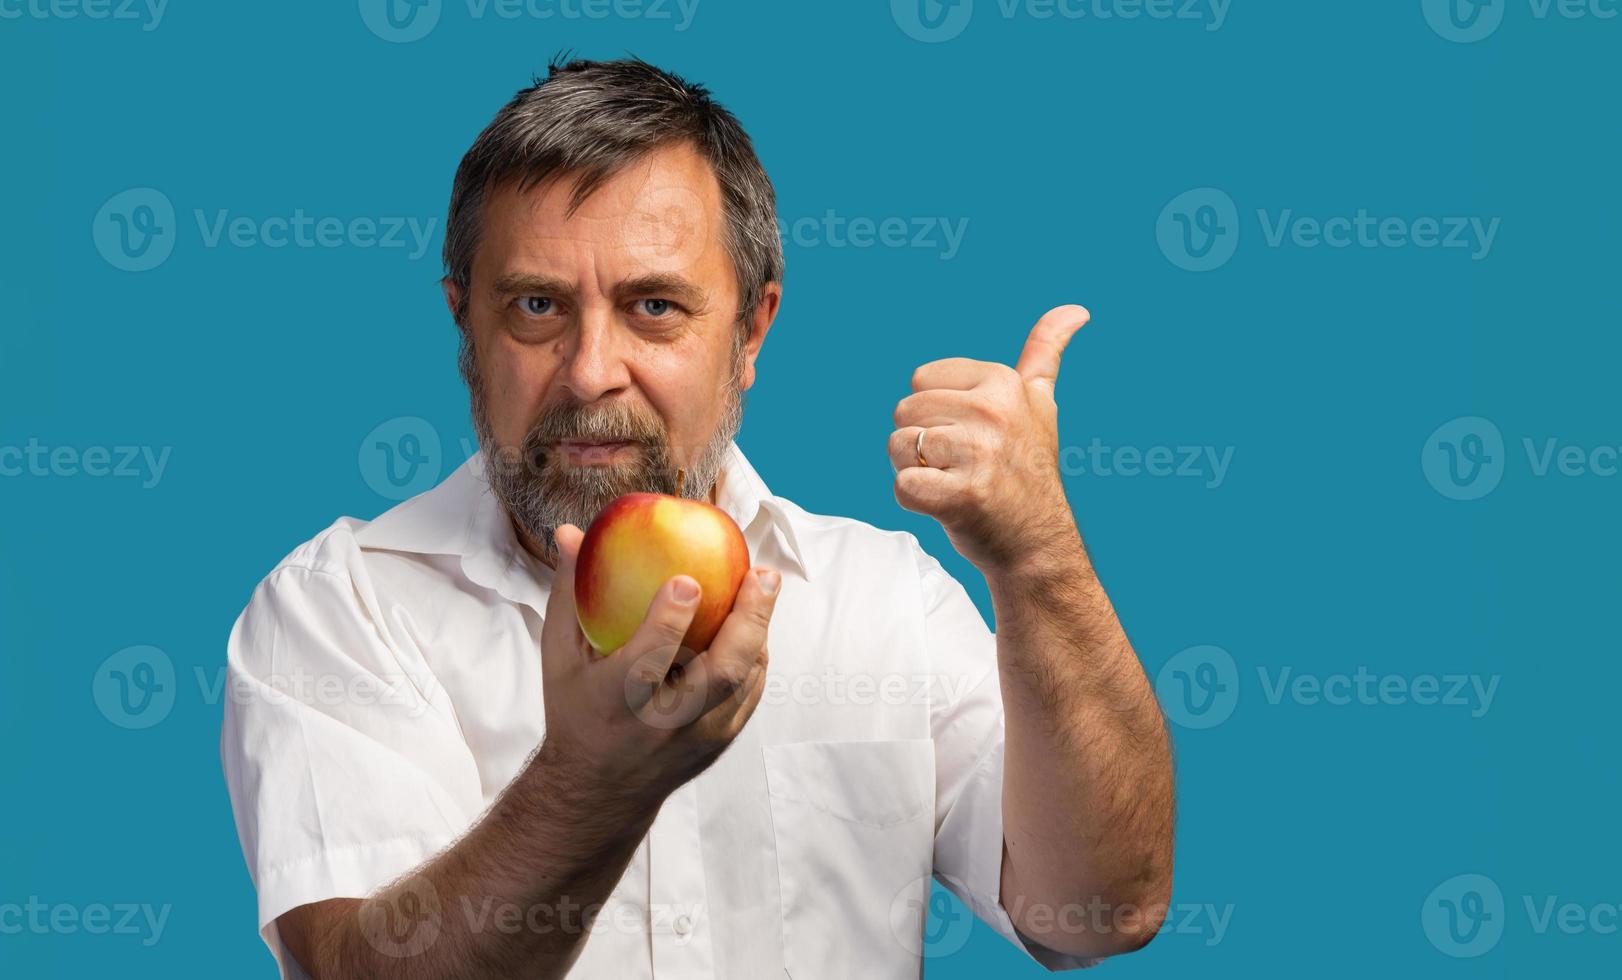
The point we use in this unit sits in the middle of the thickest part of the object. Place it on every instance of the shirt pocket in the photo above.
(853, 823)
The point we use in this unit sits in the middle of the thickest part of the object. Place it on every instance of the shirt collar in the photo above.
(461, 517)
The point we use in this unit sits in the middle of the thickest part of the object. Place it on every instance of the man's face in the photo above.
(603, 348)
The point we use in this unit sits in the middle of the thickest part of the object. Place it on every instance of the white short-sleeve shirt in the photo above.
(385, 685)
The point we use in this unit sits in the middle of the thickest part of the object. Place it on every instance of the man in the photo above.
(467, 790)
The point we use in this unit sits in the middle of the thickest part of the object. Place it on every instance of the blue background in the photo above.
(1320, 830)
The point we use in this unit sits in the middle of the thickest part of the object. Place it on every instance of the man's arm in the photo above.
(558, 838)
(1087, 772)
(1087, 777)
(552, 847)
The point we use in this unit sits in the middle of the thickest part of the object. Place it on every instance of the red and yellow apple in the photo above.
(635, 545)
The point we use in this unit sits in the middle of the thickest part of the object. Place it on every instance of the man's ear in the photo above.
(453, 296)
(771, 299)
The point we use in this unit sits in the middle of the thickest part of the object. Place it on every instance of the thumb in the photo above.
(562, 628)
(1039, 361)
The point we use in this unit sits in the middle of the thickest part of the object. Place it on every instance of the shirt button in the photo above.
(683, 925)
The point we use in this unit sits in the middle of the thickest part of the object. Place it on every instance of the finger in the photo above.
(937, 406)
(961, 373)
(562, 637)
(727, 718)
(741, 639)
(730, 687)
(944, 447)
(648, 654)
(1039, 361)
(927, 490)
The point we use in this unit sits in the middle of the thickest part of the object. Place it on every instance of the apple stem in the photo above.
(681, 476)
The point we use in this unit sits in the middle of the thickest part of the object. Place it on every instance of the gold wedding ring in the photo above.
(920, 448)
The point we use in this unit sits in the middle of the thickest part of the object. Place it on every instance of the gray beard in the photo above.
(541, 492)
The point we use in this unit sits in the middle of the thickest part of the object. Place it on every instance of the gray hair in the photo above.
(590, 119)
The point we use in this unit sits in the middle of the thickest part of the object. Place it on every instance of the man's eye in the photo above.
(655, 307)
(535, 305)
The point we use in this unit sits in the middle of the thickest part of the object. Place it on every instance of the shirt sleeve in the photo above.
(345, 765)
(966, 724)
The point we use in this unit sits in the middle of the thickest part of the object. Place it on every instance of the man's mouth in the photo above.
(584, 452)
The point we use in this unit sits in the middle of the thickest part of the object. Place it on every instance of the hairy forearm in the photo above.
(1087, 779)
(511, 898)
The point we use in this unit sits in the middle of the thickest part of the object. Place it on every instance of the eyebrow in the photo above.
(677, 287)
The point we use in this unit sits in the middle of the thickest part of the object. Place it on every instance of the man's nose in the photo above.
(595, 365)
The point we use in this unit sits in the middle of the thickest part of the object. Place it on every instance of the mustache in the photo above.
(574, 422)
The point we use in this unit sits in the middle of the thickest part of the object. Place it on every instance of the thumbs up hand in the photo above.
(989, 470)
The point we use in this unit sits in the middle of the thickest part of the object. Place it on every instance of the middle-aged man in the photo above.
(434, 776)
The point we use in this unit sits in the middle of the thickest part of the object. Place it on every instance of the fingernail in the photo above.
(769, 580)
(685, 590)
